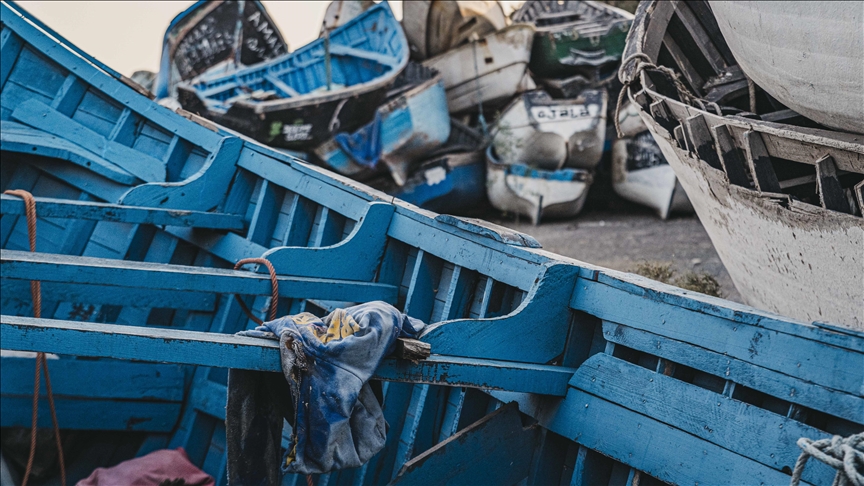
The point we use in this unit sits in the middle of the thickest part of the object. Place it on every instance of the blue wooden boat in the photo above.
(301, 99)
(207, 34)
(412, 123)
(451, 180)
(544, 369)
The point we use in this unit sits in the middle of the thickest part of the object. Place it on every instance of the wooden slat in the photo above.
(64, 208)
(143, 276)
(494, 450)
(224, 350)
(41, 116)
(726, 422)
(831, 193)
(731, 157)
(10, 48)
(760, 163)
(703, 42)
(69, 95)
(700, 142)
(805, 359)
(690, 74)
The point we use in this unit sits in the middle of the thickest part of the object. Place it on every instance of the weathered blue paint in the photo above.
(505, 315)
(63, 208)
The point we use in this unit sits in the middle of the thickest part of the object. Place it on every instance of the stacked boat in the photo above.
(375, 100)
(132, 257)
(769, 152)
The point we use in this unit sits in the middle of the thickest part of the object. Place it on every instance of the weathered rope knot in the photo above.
(846, 455)
(643, 62)
(274, 282)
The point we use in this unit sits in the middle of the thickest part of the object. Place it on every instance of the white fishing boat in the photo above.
(781, 202)
(552, 134)
(808, 55)
(640, 172)
(535, 193)
(485, 71)
(434, 27)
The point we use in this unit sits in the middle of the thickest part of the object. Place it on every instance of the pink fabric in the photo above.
(150, 470)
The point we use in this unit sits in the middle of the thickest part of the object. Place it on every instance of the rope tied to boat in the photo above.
(41, 359)
(845, 454)
(274, 296)
(643, 62)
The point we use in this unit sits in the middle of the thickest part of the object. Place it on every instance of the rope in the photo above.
(41, 360)
(646, 63)
(846, 455)
(274, 298)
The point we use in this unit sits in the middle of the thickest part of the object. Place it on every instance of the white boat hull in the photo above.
(808, 55)
(656, 187)
(803, 261)
(501, 61)
(535, 197)
(551, 134)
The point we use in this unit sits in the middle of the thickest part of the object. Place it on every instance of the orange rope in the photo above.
(41, 360)
(274, 300)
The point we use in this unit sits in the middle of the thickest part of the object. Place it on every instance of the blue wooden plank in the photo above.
(69, 95)
(544, 312)
(494, 450)
(266, 212)
(423, 286)
(723, 421)
(80, 378)
(229, 247)
(713, 306)
(95, 414)
(15, 137)
(667, 453)
(10, 47)
(41, 116)
(63, 208)
(202, 191)
(809, 360)
(355, 258)
(222, 350)
(795, 390)
(100, 187)
(142, 277)
(301, 213)
(410, 423)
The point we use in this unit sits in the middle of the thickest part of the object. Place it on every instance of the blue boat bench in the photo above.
(618, 379)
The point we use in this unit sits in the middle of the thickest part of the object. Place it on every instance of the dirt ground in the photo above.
(617, 234)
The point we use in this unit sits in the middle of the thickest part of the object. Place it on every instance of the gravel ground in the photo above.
(617, 234)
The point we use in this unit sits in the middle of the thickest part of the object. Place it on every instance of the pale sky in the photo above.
(127, 35)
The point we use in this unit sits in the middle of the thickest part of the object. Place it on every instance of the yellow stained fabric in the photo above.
(341, 325)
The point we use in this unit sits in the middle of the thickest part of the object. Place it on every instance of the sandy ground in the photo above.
(614, 233)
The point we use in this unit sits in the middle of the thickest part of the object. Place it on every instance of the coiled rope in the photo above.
(41, 360)
(846, 455)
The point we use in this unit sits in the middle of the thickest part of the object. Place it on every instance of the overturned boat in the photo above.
(149, 297)
(780, 200)
(339, 12)
(410, 124)
(808, 55)
(302, 99)
(552, 134)
(209, 34)
(434, 27)
(451, 180)
(535, 193)
(485, 71)
(575, 37)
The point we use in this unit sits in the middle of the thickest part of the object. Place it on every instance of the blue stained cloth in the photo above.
(364, 145)
(328, 362)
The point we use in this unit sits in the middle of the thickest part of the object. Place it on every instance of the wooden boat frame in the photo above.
(613, 363)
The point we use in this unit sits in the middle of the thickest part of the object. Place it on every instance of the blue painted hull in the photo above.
(605, 365)
(290, 102)
(406, 128)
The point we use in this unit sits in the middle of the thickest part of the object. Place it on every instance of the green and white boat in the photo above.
(574, 37)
